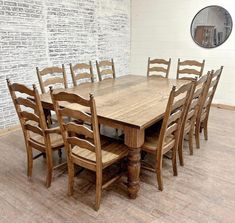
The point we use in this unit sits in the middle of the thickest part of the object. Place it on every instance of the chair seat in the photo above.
(56, 140)
(151, 142)
(111, 150)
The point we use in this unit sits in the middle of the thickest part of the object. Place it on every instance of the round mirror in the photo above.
(211, 26)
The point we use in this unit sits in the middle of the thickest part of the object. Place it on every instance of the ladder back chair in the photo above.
(51, 76)
(204, 109)
(83, 145)
(36, 133)
(159, 143)
(105, 68)
(80, 72)
(189, 69)
(188, 123)
(162, 68)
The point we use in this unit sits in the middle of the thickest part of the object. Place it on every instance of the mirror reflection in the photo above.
(211, 26)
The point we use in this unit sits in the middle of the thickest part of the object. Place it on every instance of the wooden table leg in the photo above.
(134, 138)
(133, 172)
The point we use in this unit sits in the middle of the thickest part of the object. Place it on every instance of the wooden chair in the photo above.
(188, 123)
(204, 109)
(185, 68)
(160, 143)
(163, 68)
(78, 73)
(36, 133)
(104, 68)
(84, 145)
(53, 78)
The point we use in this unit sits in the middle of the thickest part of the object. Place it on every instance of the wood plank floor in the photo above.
(204, 191)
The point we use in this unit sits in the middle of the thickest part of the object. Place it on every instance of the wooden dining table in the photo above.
(131, 103)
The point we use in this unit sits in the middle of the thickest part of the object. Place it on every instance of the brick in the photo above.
(10, 3)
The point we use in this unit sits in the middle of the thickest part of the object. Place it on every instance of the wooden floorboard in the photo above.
(204, 190)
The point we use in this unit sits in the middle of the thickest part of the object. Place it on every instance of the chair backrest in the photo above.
(196, 96)
(104, 68)
(81, 71)
(162, 68)
(175, 111)
(51, 76)
(30, 112)
(209, 93)
(74, 133)
(189, 69)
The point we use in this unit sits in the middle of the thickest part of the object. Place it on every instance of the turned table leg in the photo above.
(134, 139)
(133, 172)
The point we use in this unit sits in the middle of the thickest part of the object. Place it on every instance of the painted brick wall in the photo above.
(51, 32)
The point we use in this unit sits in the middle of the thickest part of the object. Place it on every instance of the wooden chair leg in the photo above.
(205, 124)
(30, 161)
(159, 173)
(49, 168)
(191, 142)
(70, 178)
(174, 162)
(98, 190)
(180, 151)
(197, 136)
(159, 179)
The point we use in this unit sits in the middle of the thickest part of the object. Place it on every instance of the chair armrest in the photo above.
(53, 130)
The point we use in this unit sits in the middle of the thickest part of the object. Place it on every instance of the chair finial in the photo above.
(91, 95)
(51, 89)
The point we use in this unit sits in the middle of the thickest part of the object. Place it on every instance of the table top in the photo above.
(131, 100)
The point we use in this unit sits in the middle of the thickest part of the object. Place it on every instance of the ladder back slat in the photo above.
(189, 71)
(107, 71)
(191, 63)
(79, 129)
(175, 116)
(83, 75)
(72, 98)
(81, 143)
(29, 116)
(158, 69)
(171, 129)
(179, 103)
(76, 114)
(105, 63)
(34, 129)
(51, 70)
(36, 145)
(159, 61)
(22, 89)
(81, 66)
(54, 80)
(25, 102)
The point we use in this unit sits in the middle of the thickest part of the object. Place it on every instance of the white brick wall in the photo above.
(51, 32)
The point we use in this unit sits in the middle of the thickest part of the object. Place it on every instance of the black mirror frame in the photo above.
(196, 16)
